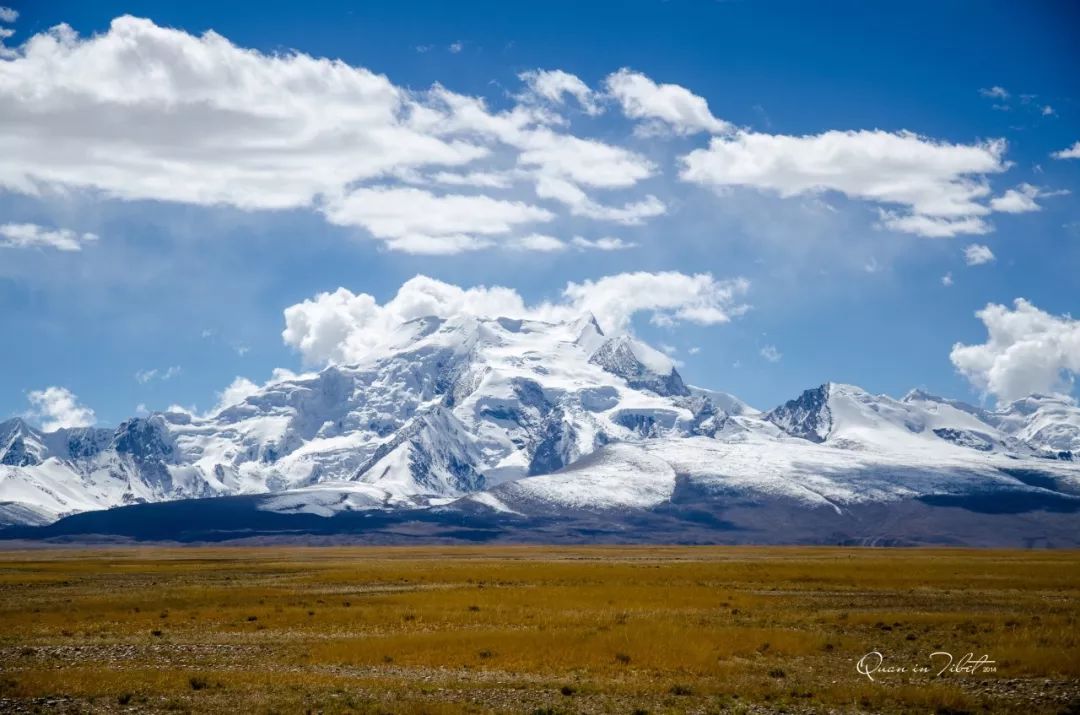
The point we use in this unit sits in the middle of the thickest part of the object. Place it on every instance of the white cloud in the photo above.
(579, 203)
(939, 186)
(932, 227)
(1018, 200)
(553, 85)
(8, 14)
(694, 350)
(584, 161)
(994, 92)
(1048, 111)
(478, 179)
(771, 354)
(947, 280)
(145, 376)
(344, 326)
(1027, 351)
(146, 112)
(31, 235)
(560, 165)
(456, 47)
(672, 106)
(238, 390)
(418, 221)
(538, 242)
(977, 254)
(1072, 152)
(669, 297)
(605, 243)
(58, 408)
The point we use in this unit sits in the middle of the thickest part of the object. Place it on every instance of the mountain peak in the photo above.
(807, 416)
(640, 365)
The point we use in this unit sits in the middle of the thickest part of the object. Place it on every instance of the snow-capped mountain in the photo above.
(469, 418)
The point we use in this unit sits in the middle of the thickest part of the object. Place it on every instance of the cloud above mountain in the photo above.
(1027, 351)
(342, 326)
(59, 408)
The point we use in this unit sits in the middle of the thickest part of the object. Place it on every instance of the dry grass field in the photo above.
(535, 630)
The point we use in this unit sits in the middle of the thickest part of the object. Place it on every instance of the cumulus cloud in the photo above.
(7, 14)
(146, 112)
(418, 221)
(939, 187)
(31, 235)
(1018, 200)
(1027, 351)
(947, 280)
(977, 254)
(59, 408)
(771, 354)
(343, 326)
(662, 105)
(1072, 152)
(554, 85)
(237, 391)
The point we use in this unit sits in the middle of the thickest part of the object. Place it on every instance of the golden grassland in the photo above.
(534, 629)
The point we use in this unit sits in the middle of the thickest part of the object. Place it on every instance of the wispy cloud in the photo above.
(145, 376)
(31, 235)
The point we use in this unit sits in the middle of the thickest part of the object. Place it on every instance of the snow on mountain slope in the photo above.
(513, 416)
(1051, 423)
(433, 454)
(755, 464)
(724, 401)
(443, 407)
(848, 416)
(618, 476)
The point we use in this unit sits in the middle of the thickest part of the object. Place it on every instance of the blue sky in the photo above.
(196, 277)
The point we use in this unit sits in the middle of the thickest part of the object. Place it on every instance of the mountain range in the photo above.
(516, 430)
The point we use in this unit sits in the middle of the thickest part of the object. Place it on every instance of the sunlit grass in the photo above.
(527, 628)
